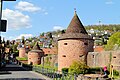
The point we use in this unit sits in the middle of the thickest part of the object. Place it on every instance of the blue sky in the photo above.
(31, 17)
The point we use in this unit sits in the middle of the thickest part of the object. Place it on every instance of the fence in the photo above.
(55, 75)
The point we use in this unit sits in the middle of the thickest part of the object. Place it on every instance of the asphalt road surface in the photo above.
(16, 72)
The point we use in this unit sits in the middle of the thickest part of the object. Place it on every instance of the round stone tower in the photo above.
(22, 52)
(34, 56)
(74, 44)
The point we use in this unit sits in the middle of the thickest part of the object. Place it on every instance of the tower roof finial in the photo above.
(75, 10)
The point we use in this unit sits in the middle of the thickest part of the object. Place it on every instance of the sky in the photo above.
(31, 17)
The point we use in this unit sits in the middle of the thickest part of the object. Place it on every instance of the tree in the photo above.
(8, 44)
(78, 67)
(23, 39)
(50, 35)
(42, 34)
(113, 40)
(63, 31)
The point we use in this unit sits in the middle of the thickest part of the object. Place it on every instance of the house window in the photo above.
(93, 56)
(114, 56)
(65, 43)
(63, 55)
(29, 58)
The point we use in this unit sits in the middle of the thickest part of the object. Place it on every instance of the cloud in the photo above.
(46, 13)
(55, 28)
(8, 37)
(25, 35)
(109, 2)
(16, 20)
(26, 6)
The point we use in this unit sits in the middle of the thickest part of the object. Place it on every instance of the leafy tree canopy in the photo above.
(114, 39)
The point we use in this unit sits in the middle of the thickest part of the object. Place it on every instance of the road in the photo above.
(16, 72)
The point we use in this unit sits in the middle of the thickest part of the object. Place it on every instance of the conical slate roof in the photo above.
(75, 30)
(36, 48)
(76, 26)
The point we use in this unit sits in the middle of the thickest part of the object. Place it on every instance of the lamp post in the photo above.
(1, 25)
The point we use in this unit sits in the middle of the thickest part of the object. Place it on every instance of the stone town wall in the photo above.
(101, 59)
(71, 50)
(116, 60)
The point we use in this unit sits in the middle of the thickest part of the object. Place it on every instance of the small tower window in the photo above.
(93, 56)
(80, 55)
(65, 43)
(85, 43)
(52, 45)
(63, 55)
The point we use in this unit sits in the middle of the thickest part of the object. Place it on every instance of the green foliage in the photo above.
(47, 61)
(18, 58)
(78, 67)
(65, 70)
(115, 72)
(46, 66)
(95, 70)
(14, 47)
(42, 34)
(112, 28)
(114, 39)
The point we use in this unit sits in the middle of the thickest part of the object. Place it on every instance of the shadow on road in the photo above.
(5, 72)
(13, 67)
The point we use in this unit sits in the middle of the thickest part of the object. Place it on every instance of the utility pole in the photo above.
(2, 26)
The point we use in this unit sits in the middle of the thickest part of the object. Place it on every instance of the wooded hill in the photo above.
(111, 27)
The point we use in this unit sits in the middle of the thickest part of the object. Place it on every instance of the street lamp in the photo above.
(2, 25)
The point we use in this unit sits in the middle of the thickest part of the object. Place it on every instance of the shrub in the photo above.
(95, 70)
(65, 70)
(78, 67)
(116, 73)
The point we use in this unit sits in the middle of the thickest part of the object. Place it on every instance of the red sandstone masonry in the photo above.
(34, 57)
(22, 52)
(71, 50)
(101, 59)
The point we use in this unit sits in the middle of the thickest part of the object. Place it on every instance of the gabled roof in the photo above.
(76, 26)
